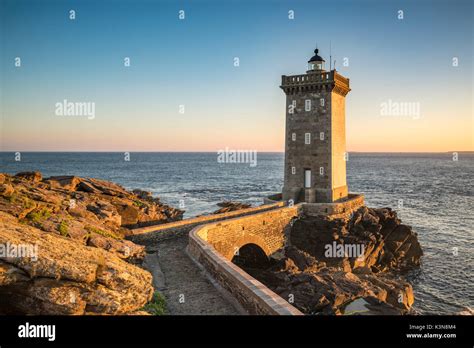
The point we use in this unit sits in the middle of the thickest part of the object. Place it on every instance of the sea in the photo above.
(432, 192)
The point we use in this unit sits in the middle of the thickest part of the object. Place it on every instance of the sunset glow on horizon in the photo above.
(183, 92)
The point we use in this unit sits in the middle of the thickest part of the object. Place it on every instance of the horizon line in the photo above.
(282, 152)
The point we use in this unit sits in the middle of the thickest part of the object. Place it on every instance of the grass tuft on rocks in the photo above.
(157, 305)
(103, 233)
(37, 216)
(63, 228)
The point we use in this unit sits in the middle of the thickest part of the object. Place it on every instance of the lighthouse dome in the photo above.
(316, 57)
(316, 63)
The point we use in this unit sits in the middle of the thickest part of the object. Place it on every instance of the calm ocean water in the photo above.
(431, 192)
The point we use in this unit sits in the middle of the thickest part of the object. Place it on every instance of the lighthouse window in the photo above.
(307, 105)
(307, 138)
(307, 178)
(321, 170)
(293, 170)
(321, 101)
(293, 136)
(321, 135)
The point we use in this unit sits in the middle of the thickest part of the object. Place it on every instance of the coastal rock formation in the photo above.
(386, 243)
(45, 273)
(341, 266)
(91, 211)
(316, 288)
(228, 206)
(79, 261)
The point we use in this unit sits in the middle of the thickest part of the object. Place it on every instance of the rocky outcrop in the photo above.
(386, 243)
(320, 274)
(93, 212)
(46, 273)
(75, 228)
(228, 206)
(30, 176)
(316, 288)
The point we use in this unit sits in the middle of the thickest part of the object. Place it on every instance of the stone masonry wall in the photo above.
(308, 156)
(267, 230)
(212, 246)
(338, 147)
(335, 210)
(153, 234)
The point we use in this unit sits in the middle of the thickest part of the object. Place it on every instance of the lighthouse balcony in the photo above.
(315, 80)
(313, 77)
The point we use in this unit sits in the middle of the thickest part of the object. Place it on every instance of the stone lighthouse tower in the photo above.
(315, 140)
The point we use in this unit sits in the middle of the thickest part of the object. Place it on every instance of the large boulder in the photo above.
(386, 243)
(67, 182)
(228, 206)
(56, 275)
(29, 176)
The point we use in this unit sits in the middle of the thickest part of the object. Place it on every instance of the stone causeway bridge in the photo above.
(193, 260)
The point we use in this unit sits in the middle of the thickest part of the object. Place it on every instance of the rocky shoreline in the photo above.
(63, 251)
(70, 234)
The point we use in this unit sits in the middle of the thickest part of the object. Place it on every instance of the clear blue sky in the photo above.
(190, 62)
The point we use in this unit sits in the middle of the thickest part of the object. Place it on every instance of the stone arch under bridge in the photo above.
(234, 246)
(251, 256)
(255, 238)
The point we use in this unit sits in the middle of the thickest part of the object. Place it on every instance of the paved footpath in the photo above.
(184, 285)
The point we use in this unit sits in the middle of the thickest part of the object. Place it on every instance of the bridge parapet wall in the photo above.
(268, 230)
(150, 235)
(213, 246)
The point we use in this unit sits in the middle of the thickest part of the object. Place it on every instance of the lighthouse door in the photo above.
(307, 178)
